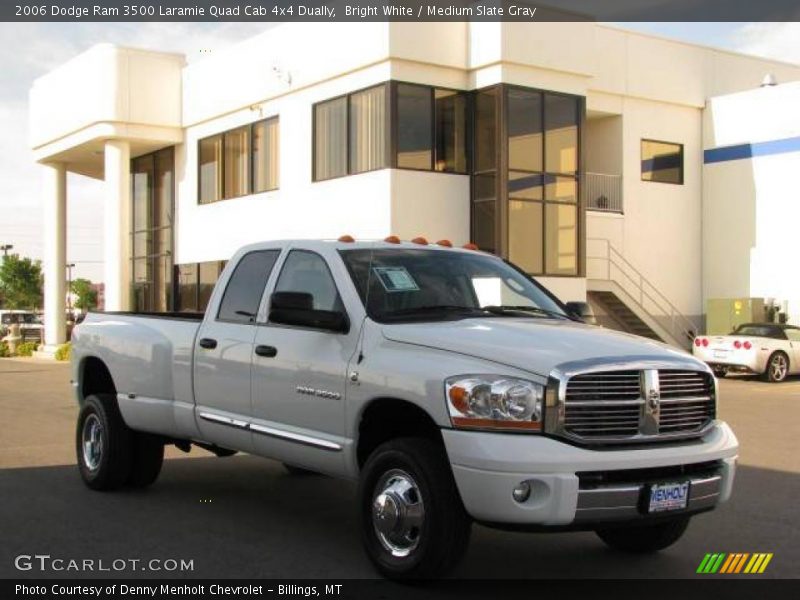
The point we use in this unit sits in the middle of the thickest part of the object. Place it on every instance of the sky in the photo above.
(28, 50)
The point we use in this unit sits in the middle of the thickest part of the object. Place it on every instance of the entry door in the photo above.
(224, 354)
(299, 391)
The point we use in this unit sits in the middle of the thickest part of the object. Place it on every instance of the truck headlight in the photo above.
(494, 402)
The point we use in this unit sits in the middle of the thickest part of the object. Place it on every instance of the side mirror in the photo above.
(582, 311)
(297, 309)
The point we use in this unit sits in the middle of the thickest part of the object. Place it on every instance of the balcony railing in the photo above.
(604, 192)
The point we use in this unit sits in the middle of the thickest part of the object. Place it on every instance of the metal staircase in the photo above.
(631, 302)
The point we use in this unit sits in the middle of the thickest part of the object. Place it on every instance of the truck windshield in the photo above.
(419, 284)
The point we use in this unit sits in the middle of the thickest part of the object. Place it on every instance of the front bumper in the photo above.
(574, 486)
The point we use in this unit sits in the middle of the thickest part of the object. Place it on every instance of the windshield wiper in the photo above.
(504, 309)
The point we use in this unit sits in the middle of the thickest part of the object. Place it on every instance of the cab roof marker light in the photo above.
(445, 243)
(470, 246)
(392, 239)
(346, 239)
(420, 240)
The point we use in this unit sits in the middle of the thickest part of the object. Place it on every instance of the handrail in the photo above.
(681, 328)
(604, 192)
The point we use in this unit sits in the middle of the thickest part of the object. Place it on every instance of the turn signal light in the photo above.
(420, 240)
(392, 239)
(347, 239)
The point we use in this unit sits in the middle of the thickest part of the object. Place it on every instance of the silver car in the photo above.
(767, 349)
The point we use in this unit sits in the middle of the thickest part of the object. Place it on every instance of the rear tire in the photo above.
(148, 456)
(777, 367)
(413, 523)
(103, 444)
(642, 539)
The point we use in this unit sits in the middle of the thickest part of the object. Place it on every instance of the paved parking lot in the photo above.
(246, 517)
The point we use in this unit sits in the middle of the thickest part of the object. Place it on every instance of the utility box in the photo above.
(723, 315)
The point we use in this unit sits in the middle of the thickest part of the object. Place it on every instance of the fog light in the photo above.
(521, 492)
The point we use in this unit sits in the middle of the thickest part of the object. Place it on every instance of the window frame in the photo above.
(502, 170)
(682, 169)
(389, 132)
(250, 191)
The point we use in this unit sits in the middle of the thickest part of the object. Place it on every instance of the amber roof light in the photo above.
(392, 239)
(445, 243)
(420, 240)
(470, 246)
(347, 239)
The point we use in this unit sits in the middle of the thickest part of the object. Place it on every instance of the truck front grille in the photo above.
(637, 405)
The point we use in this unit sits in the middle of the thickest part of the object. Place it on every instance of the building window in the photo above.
(431, 126)
(662, 162)
(239, 162)
(525, 181)
(153, 202)
(350, 134)
(265, 155)
(368, 130)
(195, 283)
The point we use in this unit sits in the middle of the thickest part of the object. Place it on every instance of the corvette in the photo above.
(767, 349)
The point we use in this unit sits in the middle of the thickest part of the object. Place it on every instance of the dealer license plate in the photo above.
(668, 496)
(720, 354)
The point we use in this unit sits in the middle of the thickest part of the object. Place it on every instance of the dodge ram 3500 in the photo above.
(450, 384)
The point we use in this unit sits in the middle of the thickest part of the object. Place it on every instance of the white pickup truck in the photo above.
(451, 385)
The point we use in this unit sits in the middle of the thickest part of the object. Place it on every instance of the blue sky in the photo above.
(27, 50)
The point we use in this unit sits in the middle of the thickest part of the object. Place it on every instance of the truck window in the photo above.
(307, 272)
(246, 286)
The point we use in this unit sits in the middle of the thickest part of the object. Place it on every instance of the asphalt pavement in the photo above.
(247, 517)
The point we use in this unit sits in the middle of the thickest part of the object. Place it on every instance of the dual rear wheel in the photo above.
(110, 454)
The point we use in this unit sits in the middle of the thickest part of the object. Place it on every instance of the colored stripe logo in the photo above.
(734, 563)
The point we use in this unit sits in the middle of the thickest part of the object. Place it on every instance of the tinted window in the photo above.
(246, 286)
(662, 162)
(414, 121)
(307, 272)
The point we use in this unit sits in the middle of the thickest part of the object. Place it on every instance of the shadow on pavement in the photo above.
(246, 517)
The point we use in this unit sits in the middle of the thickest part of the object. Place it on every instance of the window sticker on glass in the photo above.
(396, 279)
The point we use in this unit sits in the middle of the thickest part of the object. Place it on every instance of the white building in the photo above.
(574, 149)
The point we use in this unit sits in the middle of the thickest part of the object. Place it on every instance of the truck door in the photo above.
(224, 352)
(299, 375)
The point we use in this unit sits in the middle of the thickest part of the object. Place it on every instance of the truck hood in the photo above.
(536, 345)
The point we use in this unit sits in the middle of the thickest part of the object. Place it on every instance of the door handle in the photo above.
(267, 351)
(208, 343)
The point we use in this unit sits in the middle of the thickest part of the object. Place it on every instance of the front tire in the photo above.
(643, 539)
(777, 367)
(413, 523)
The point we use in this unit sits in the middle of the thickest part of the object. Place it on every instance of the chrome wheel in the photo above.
(778, 367)
(92, 437)
(398, 512)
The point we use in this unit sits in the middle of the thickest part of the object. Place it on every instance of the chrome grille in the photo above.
(602, 404)
(687, 401)
(636, 405)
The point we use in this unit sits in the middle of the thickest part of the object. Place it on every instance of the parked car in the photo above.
(30, 323)
(451, 385)
(771, 350)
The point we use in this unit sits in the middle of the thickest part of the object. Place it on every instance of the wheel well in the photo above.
(96, 378)
(389, 418)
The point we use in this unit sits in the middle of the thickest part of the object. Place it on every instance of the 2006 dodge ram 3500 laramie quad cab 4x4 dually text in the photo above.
(450, 384)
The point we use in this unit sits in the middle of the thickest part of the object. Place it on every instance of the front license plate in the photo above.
(668, 496)
(720, 354)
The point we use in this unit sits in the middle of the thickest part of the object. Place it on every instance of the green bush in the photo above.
(27, 348)
(64, 352)
(4, 353)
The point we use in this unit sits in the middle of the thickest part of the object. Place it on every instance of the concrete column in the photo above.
(54, 196)
(117, 225)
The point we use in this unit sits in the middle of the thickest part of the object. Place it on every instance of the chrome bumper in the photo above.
(623, 502)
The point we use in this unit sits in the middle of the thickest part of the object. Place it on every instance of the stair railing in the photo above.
(650, 299)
